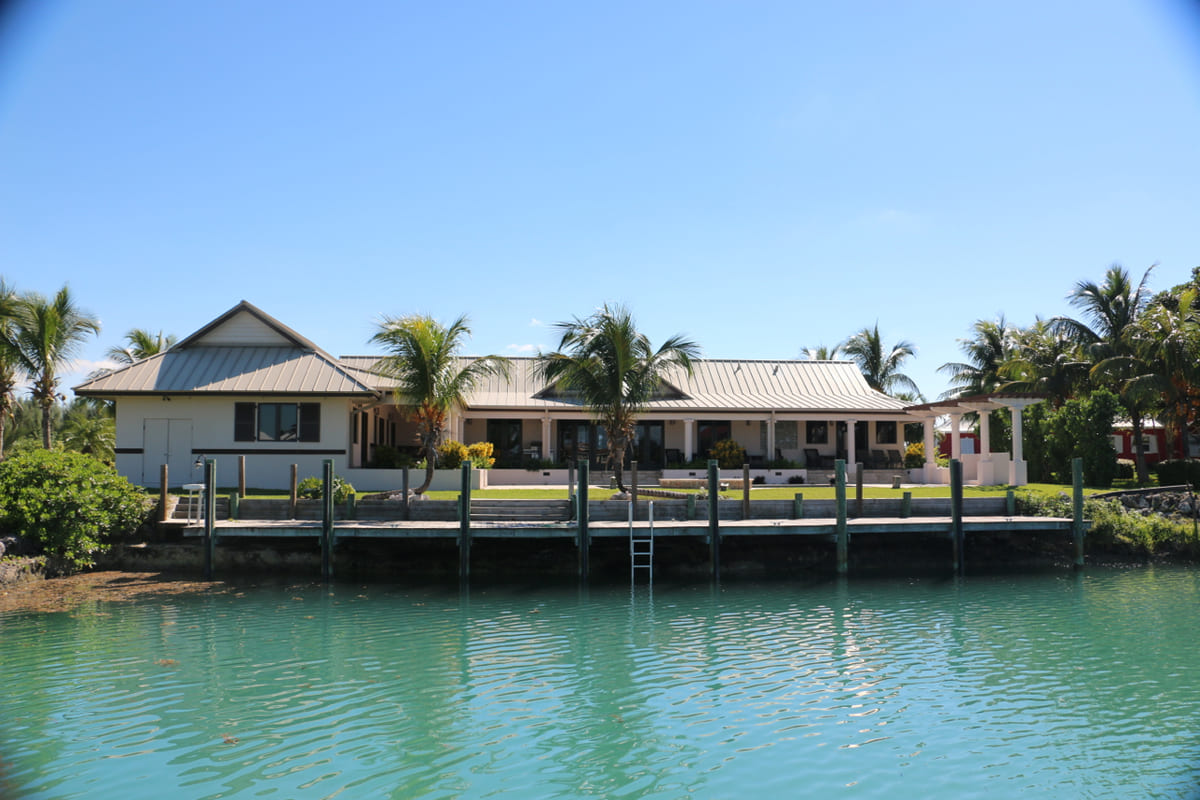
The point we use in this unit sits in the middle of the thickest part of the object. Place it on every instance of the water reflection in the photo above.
(1064, 685)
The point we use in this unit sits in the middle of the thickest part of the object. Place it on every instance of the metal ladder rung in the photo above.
(641, 546)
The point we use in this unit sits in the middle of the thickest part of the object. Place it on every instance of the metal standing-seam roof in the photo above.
(715, 385)
(210, 361)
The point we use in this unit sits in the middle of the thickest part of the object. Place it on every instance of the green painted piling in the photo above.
(464, 524)
(1010, 503)
(714, 526)
(906, 505)
(691, 506)
(956, 514)
(843, 533)
(234, 501)
(210, 513)
(327, 519)
(1077, 523)
(798, 506)
(352, 507)
(583, 541)
(858, 489)
(745, 491)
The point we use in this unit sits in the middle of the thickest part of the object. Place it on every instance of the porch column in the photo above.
(1018, 470)
(688, 439)
(547, 450)
(955, 438)
(851, 461)
(930, 445)
(770, 454)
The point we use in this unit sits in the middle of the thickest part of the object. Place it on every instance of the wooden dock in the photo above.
(839, 529)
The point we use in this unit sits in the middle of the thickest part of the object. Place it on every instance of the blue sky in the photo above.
(762, 176)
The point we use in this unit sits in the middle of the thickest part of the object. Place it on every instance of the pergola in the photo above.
(983, 468)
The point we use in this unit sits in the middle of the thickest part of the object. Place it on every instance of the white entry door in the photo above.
(168, 441)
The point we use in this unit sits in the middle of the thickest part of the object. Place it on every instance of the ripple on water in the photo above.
(967, 688)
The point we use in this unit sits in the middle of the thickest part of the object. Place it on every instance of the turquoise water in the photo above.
(1043, 686)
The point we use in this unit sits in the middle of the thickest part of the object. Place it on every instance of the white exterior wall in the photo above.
(211, 421)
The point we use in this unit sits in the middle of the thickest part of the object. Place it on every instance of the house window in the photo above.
(817, 433)
(885, 433)
(277, 422)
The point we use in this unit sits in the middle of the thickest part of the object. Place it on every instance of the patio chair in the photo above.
(894, 460)
(877, 460)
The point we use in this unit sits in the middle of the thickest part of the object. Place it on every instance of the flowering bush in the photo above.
(480, 454)
(451, 454)
(729, 454)
(914, 455)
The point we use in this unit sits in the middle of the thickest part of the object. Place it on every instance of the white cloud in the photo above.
(522, 349)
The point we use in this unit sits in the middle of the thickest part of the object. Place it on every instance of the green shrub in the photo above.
(314, 489)
(1124, 469)
(451, 454)
(388, 457)
(1178, 471)
(69, 504)
(729, 454)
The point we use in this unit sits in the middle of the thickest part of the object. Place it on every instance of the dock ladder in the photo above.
(641, 545)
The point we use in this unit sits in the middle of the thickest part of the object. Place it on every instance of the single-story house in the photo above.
(247, 385)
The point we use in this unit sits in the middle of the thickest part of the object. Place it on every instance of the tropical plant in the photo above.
(47, 333)
(9, 357)
(614, 371)
(90, 430)
(1108, 336)
(821, 353)
(314, 489)
(141, 343)
(430, 376)
(987, 350)
(880, 366)
(1044, 360)
(69, 504)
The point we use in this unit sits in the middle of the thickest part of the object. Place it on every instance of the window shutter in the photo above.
(310, 422)
(243, 422)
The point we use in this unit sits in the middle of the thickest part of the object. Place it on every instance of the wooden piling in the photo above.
(956, 514)
(633, 487)
(745, 491)
(906, 505)
(242, 476)
(327, 519)
(163, 495)
(714, 526)
(798, 506)
(1077, 523)
(583, 540)
(464, 524)
(292, 494)
(858, 489)
(404, 508)
(1010, 503)
(210, 512)
(843, 534)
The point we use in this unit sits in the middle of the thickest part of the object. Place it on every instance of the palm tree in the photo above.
(615, 372)
(882, 370)
(430, 376)
(986, 351)
(141, 343)
(821, 353)
(1046, 361)
(8, 357)
(1112, 311)
(47, 334)
(90, 430)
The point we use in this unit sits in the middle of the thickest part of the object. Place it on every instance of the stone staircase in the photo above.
(520, 510)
